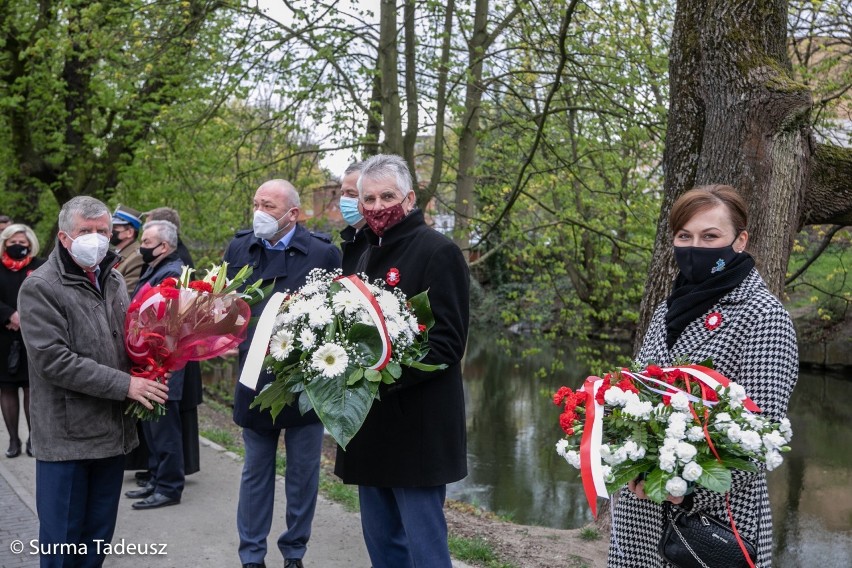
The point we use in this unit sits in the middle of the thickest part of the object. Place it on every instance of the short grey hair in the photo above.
(353, 168)
(166, 231)
(14, 229)
(164, 214)
(84, 207)
(387, 166)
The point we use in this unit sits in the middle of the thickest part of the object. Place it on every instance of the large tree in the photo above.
(737, 115)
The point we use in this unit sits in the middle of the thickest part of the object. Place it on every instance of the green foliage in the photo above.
(475, 550)
(590, 533)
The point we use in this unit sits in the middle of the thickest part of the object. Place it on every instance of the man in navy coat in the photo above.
(281, 252)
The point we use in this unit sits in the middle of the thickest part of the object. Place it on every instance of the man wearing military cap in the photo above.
(125, 228)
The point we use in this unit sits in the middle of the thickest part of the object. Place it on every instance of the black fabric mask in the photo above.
(697, 264)
(148, 255)
(17, 252)
(115, 239)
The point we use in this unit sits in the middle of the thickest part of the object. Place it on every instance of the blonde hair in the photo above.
(14, 229)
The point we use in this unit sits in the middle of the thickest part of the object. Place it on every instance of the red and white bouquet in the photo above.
(676, 427)
(182, 320)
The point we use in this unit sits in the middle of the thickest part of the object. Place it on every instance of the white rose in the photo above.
(676, 487)
(750, 441)
(692, 471)
(695, 434)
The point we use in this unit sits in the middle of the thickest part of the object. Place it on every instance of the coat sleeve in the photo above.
(448, 284)
(48, 344)
(769, 370)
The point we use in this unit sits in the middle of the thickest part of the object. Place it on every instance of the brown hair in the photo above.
(706, 197)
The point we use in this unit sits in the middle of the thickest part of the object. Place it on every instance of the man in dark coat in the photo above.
(163, 437)
(353, 241)
(281, 252)
(413, 441)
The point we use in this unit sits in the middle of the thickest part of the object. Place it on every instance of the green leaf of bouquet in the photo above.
(394, 369)
(356, 376)
(708, 362)
(738, 463)
(655, 486)
(715, 477)
(367, 342)
(341, 409)
(305, 405)
(275, 396)
(372, 375)
(422, 309)
(387, 378)
(627, 474)
(426, 367)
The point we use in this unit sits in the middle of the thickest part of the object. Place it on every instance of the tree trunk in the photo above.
(388, 56)
(735, 117)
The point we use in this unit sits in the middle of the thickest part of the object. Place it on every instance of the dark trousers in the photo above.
(77, 503)
(405, 527)
(164, 438)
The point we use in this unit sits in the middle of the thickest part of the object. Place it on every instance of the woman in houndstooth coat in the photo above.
(720, 309)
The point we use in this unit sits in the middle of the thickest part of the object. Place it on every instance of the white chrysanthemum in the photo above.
(695, 434)
(750, 441)
(413, 324)
(685, 452)
(614, 396)
(307, 338)
(346, 302)
(786, 430)
(680, 402)
(321, 317)
(281, 320)
(692, 471)
(773, 460)
(573, 458)
(562, 447)
(330, 360)
(667, 461)
(774, 440)
(393, 329)
(389, 304)
(281, 345)
(676, 487)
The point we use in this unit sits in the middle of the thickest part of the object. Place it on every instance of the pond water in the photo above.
(514, 469)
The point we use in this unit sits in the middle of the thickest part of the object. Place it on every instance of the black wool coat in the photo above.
(10, 283)
(415, 435)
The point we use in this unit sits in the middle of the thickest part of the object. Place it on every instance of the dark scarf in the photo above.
(689, 301)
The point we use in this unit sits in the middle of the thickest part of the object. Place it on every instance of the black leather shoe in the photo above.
(146, 491)
(14, 450)
(30, 448)
(254, 565)
(293, 563)
(142, 478)
(155, 501)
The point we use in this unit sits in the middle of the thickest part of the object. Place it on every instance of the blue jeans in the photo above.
(77, 503)
(405, 527)
(257, 490)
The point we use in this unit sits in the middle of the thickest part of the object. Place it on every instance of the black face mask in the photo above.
(17, 252)
(115, 239)
(148, 255)
(697, 264)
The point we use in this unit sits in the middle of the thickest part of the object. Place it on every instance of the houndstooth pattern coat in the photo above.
(755, 346)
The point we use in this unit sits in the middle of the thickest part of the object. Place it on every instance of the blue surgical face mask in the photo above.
(349, 210)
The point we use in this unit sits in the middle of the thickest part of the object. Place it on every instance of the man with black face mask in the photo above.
(125, 228)
(164, 437)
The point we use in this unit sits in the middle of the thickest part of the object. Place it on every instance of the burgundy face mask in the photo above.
(381, 220)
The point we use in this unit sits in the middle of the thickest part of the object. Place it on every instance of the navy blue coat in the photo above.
(288, 269)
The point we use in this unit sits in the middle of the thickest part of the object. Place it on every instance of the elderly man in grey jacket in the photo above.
(72, 320)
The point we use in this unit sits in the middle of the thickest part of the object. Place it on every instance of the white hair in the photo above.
(387, 167)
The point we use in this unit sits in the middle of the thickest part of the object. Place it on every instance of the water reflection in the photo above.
(514, 470)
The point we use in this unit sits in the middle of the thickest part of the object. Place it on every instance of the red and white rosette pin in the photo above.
(591, 467)
(357, 286)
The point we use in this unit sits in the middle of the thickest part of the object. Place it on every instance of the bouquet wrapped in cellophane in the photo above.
(338, 338)
(182, 320)
(675, 427)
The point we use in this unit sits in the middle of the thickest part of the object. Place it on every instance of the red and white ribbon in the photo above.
(368, 300)
(591, 467)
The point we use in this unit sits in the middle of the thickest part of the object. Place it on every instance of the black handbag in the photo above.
(694, 539)
(13, 362)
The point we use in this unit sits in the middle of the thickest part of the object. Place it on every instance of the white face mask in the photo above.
(90, 249)
(266, 226)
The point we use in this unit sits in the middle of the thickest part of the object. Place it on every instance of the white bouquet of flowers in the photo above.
(335, 340)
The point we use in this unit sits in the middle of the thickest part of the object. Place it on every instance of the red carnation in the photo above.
(566, 421)
(627, 385)
(201, 286)
(169, 282)
(421, 328)
(605, 386)
(169, 293)
(654, 371)
(560, 395)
